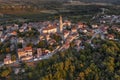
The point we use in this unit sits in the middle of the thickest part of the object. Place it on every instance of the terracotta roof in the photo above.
(80, 23)
(14, 33)
(65, 31)
(27, 48)
(6, 59)
(74, 28)
(52, 40)
(110, 35)
(50, 27)
(75, 34)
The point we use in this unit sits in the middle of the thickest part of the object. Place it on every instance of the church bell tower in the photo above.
(61, 25)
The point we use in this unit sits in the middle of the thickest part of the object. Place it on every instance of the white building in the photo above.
(25, 54)
(94, 26)
(20, 40)
(8, 60)
(74, 30)
(49, 29)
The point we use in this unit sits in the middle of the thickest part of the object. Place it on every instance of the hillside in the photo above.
(36, 9)
(88, 64)
(102, 1)
(37, 2)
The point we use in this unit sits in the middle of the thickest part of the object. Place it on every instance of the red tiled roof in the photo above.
(27, 48)
(110, 35)
(65, 31)
(80, 23)
(50, 27)
(14, 33)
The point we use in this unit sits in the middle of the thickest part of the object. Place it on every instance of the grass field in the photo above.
(76, 13)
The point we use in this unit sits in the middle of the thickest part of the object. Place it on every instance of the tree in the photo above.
(30, 44)
(42, 44)
(117, 77)
(57, 38)
(19, 45)
(7, 50)
(82, 75)
(5, 73)
(50, 48)
(109, 63)
(30, 75)
(13, 58)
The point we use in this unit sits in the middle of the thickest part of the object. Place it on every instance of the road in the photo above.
(98, 31)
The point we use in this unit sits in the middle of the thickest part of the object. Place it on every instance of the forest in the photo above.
(101, 63)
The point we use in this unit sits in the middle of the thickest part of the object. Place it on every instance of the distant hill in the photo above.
(102, 1)
(47, 4)
(45, 1)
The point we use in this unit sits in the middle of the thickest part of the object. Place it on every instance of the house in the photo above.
(41, 37)
(47, 51)
(49, 29)
(25, 53)
(47, 36)
(104, 29)
(16, 70)
(14, 33)
(77, 42)
(8, 60)
(94, 26)
(71, 37)
(65, 34)
(2, 38)
(20, 40)
(24, 58)
(28, 50)
(29, 27)
(118, 29)
(13, 40)
(80, 25)
(74, 29)
(75, 35)
(8, 27)
(21, 53)
(24, 26)
(110, 36)
(44, 52)
(67, 23)
(51, 42)
(66, 45)
(115, 27)
(85, 31)
(1, 28)
(15, 27)
(21, 29)
(39, 52)
(44, 36)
